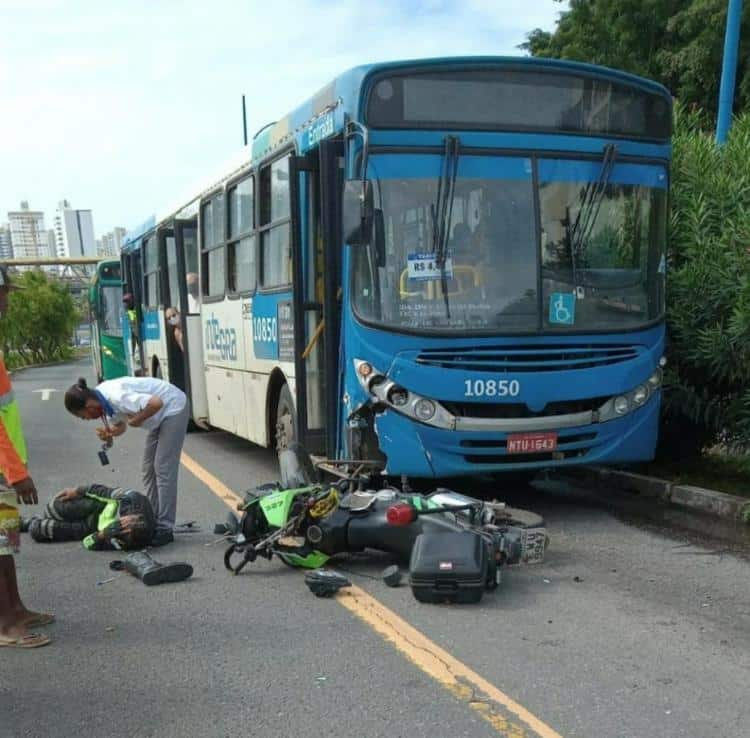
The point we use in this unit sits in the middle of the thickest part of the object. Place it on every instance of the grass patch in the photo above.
(723, 472)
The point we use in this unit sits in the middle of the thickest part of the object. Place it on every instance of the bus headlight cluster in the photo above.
(626, 403)
(386, 392)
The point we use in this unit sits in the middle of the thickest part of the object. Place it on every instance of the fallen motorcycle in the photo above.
(455, 545)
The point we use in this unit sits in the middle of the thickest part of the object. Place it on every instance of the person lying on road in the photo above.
(104, 518)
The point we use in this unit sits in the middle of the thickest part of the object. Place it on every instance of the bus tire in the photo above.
(286, 430)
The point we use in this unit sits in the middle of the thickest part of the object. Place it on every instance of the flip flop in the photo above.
(32, 640)
(40, 619)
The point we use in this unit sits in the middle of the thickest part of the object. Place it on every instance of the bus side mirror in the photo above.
(357, 212)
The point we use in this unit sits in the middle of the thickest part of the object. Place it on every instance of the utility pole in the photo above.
(728, 70)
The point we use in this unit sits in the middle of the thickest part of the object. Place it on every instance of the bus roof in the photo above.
(325, 113)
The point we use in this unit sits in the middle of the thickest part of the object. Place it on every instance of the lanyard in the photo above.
(106, 404)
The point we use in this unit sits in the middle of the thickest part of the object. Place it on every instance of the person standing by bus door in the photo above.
(135, 335)
(160, 408)
(15, 618)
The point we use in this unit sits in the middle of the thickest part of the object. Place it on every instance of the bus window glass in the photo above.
(276, 268)
(490, 276)
(215, 263)
(207, 225)
(151, 273)
(241, 207)
(241, 256)
(212, 232)
(174, 287)
(109, 313)
(280, 189)
(276, 257)
(608, 247)
(218, 218)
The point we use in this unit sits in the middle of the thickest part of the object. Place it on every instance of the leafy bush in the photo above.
(39, 321)
(707, 395)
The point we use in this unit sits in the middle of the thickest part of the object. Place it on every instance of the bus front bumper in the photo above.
(418, 450)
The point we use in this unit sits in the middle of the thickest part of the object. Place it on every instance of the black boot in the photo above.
(151, 572)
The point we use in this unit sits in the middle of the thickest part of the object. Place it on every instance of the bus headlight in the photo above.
(655, 379)
(424, 409)
(621, 405)
(640, 394)
(398, 396)
(364, 369)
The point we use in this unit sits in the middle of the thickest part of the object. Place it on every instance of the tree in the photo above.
(676, 42)
(40, 320)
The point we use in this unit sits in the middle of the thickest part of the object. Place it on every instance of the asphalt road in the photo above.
(625, 631)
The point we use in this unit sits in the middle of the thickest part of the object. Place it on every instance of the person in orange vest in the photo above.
(15, 618)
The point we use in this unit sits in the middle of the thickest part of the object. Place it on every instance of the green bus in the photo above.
(105, 301)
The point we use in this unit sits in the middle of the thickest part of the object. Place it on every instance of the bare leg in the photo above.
(11, 607)
(29, 618)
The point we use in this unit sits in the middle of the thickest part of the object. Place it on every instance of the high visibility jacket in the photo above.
(13, 456)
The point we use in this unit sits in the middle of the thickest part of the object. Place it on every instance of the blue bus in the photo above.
(448, 267)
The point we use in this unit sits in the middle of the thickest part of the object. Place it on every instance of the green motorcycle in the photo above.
(304, 523)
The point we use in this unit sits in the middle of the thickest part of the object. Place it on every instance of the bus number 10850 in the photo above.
(491, 388)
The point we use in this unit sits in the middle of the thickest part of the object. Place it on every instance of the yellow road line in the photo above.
(501, 711)
(231, 499)
(509, 718)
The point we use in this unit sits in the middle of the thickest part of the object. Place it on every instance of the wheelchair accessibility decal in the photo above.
(562, 308)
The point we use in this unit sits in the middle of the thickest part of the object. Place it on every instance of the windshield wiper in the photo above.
(591, 202)
(442, 212)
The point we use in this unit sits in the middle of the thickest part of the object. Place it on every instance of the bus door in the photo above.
(173, 310)
(186, 246)
(132, 344)
(316, 183)
(153, 338)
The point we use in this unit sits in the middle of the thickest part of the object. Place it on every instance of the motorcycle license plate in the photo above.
(534, 545)
(531, 443)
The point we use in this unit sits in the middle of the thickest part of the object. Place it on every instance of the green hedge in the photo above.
(707, 390)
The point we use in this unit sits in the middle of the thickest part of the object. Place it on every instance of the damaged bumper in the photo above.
(420, 450)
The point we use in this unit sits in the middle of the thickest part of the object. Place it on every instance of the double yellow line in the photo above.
(503, 713)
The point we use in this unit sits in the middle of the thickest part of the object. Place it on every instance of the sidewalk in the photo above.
(697, 499)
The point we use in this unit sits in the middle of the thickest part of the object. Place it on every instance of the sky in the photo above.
(122, 107)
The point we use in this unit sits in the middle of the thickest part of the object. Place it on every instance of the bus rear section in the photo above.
(505, 292)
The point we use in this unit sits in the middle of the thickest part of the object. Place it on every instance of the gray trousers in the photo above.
(161, 462)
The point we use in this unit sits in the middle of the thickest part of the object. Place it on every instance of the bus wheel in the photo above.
(285, 426)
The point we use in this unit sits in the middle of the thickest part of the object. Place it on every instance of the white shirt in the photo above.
(130, 395)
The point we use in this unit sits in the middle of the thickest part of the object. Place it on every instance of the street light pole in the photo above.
(728, 70)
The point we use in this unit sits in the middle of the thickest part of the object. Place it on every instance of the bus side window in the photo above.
(212, 246)
(241, 258)
(275, 220)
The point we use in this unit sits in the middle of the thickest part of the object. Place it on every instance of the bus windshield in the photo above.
(494, 278)
(111, 302)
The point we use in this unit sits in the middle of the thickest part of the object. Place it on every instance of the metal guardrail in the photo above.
(61, 261)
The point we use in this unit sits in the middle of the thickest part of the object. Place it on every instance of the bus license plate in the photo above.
(531, 443)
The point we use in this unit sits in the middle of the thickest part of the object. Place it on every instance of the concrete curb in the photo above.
(696, 499)
(11, 372)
